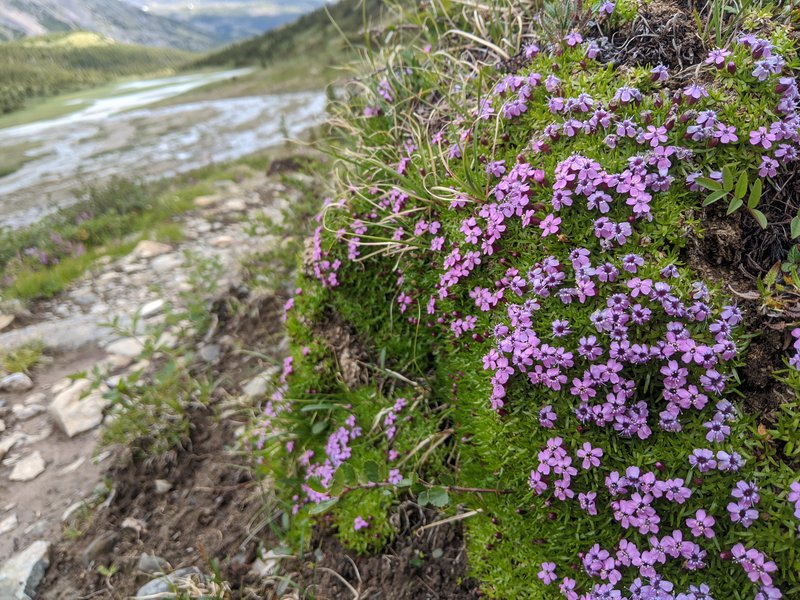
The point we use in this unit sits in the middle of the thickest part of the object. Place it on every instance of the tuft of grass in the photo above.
(23, 358)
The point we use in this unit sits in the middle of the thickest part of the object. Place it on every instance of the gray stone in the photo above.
(167, 262)
(21, 574)
(210, 353)
(28, 468)
(67, 334)
(150, 249)
(23, 412)
(99, 546)
(16, 382)
(9, 523)
(74, 414)
(151, 308)
(258, 385)
(152, 564)
(162, 486)
(130, 347)
(85, 298)
(165, 586)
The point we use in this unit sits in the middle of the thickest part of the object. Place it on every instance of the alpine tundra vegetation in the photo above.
(541, 347)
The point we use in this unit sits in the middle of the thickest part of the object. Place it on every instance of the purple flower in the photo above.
(694, 93)
(717, 57)
(659, 73)
(360, 523)
(702, 459)
(394, 476)
(548, 573)
(768, 167)
(701, 524)
(549, 225)
(607, 8)
(573, 39)
(746, 493)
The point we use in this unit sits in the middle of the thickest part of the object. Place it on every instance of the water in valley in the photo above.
(121, 135)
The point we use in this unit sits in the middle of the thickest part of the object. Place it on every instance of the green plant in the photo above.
(734, 189)
(23, 358)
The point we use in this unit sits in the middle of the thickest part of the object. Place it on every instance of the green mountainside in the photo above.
(58, 63)
(315, 35)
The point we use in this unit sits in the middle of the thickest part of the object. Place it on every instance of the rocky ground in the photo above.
(49, 421)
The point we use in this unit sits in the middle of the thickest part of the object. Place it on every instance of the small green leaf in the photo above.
(439, 497)
(760, 217)
(741, 186)
(735, 205)
(423, 498)
(322, 507)
(709, 184)
(714, 196)
(755, 193)
(437, 553)
(319, 427)
(727, 178)
(348, 474)
(372, 471)
(796, 227)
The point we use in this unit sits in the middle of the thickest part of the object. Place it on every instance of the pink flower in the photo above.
(549, 225)
(548, 573)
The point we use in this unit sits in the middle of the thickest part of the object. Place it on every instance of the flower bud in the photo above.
(731, 66)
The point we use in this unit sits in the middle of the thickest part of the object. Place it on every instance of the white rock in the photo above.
(62, 384)
(10, 441)
(206, 201)
(36, 398)
(130, 347)
(21, 574)
(162, 486)
(16, 382)
(235, 205)
(9, 523)
(151, 308)
(73, 466)
(167, 262)
(150, 249)
(258, 385)
(222, 241)
(28, 468)
(2, 425)
(5, 321)
(70, 510)
(74, 414)
(23, 412)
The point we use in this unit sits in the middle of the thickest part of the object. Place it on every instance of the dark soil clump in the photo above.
(663, 32)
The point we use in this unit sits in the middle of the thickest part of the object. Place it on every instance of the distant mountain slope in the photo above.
(230, 20)
(313, 33)
(113, 18)
(57, 63)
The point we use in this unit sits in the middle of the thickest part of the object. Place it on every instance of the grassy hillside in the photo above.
(316, 36)
(58, 63)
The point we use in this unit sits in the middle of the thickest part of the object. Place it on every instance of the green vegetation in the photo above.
(495, 315)
(58, 63)
(108, 220)
(22, 359)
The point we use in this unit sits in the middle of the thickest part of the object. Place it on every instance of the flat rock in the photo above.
(21, 574)
(150, 249)
(23, 412)
(152, 564)
(130, 347)
(151, 308)
(16, 382)
(206, 201)
(9, 523)
(166, 586)
(235, 205)
(222, 241)
(28, 468)
(36, 398)
(74, 414)
(258, 385)
(167, 262)
(63, 335)
(162, 486)
(210, 353)
(10, 441)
